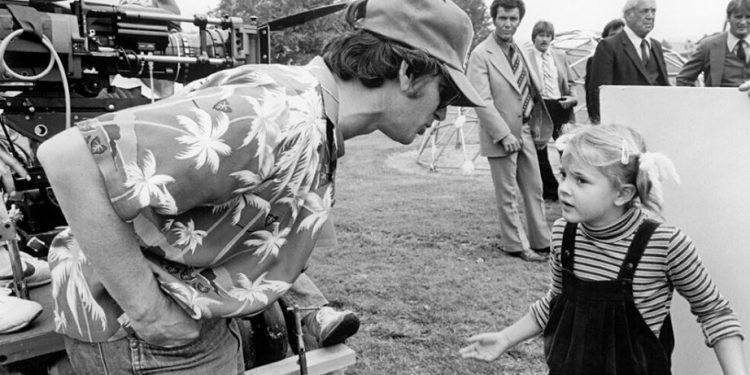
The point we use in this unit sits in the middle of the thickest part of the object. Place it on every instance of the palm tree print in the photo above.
(265, 127)
(204, 142)
(68, 272)
(145, 185)
(268, 243)
(256, 292)
(320, 208)
(196, 305)
(187, 236)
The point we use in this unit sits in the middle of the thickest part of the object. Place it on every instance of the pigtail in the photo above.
(653, 168)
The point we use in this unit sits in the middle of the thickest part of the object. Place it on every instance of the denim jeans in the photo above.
(218, 350)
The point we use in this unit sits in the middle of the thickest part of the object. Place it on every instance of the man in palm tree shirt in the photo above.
(206, 205)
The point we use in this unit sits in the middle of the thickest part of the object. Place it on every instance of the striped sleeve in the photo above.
(540, 309)
(690, 279)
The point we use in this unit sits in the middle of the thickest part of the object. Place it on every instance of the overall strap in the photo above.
(568, 246)
(636, 249)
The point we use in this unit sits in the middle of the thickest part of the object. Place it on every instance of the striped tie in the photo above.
(549, 82)
(522, 79)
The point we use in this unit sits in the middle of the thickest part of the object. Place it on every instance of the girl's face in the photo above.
(587, 196)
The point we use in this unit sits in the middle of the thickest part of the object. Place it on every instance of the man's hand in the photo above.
(8, 165)
(167, 325)
(486, 346)
(510, 143)
(568, 102)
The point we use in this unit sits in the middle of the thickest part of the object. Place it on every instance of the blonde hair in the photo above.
(619, 152)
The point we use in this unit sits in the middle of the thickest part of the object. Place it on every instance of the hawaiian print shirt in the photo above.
(226, 185)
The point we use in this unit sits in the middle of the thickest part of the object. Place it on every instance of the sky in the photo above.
(676, 20)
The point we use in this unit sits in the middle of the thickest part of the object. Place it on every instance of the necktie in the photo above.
(549, 82)
(522, 79)
(741, 51)
(644, 51)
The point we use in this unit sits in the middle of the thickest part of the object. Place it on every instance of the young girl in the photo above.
(614, 269)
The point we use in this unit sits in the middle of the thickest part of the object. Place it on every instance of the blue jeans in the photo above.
(218, 350)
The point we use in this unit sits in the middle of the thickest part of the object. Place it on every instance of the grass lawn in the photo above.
(418, 262)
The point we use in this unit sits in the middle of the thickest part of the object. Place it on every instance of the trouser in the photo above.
(514, 174)
(218, 350)
(304, 293)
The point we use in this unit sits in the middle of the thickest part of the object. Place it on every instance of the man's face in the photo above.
(506, 23)
(641, 18)
(412, 112)
(542, 41)
(739, 23)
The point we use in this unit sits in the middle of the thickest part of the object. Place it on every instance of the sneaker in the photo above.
(35, 271)
(16, 313)
(329, 326)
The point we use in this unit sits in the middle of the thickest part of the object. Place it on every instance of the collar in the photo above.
(623, 227)
(539, 54)
(732, 41)
(635, 39)
(503, 45)
(318, 68)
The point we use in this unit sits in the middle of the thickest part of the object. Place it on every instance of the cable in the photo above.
(54, 58)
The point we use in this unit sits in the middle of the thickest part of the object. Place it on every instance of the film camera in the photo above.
(57, 58)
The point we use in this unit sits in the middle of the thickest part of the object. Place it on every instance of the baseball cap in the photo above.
(438, 27)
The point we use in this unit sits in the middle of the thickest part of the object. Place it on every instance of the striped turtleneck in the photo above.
(670, 262)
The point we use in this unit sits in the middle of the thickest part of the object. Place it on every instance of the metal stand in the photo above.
(9, 241)
(300, 340)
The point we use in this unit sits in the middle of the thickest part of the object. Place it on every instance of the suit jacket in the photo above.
(616, 62)
(708, 59)
(490, 73)
(565, 80)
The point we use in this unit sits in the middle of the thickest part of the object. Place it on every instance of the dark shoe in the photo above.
(528, 256)
(329, 326)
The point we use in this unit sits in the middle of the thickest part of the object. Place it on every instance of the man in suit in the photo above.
(513, 121)
(630, 57)
(557, 80)
(722, 58)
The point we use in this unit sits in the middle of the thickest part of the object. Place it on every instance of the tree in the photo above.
(297, 45)
(477, 11)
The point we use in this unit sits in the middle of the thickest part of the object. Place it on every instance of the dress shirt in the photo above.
(732, 43)
(636, 40)
(540, 61)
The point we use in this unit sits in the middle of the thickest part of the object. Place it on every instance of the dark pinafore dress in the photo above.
(594, 327)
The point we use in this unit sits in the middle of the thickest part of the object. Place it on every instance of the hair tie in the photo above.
(657, 166)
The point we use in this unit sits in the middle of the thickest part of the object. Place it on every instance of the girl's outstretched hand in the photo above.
(486, 346)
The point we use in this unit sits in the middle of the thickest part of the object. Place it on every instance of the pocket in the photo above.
(213, 352)
(205, 327)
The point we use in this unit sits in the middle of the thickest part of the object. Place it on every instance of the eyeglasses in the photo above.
(448, 92)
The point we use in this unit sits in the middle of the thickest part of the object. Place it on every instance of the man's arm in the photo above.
(693, 67)
(602, 73)
(489, 118)
(110, 243)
